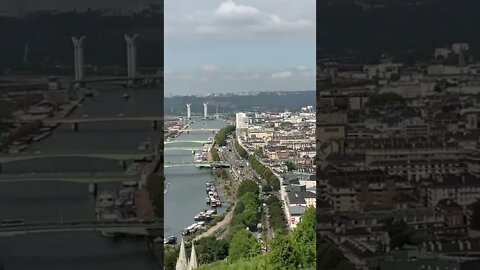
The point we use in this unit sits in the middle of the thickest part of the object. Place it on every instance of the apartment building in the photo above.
(463, 189)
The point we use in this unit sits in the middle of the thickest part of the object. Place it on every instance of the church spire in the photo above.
(182, 258)
(192, 264)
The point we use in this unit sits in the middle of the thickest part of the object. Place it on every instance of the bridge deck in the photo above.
(114, 156)
(135, 227)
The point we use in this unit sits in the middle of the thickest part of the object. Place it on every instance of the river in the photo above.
(53, 201)
(186, 195)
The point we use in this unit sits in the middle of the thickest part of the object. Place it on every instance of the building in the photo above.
(350, 191)
(463, 189)
(421, 260)
(241, 121)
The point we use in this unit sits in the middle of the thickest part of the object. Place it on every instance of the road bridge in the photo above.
(201, 129)
(112, 156)
(74, 177)
(75, 122)
(193, 141)
(119, 78)
(197, 164)
(102, 119)
(122, 227)
(173, 148)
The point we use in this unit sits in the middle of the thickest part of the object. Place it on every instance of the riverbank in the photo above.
(175, 133)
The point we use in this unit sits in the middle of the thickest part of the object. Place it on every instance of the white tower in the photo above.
(131, 56)
(182, 258)
(205, 112)
(78, 57)
(192, 263)
(188, 111)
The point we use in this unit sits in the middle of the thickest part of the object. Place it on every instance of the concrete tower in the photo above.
(205, 112)
(131, 56)
(188, 111)
(78, 57)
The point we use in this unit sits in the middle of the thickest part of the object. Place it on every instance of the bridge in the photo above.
(119, 79)
(123, 227)
(197, 164)
(201, 129)
(182, 149)
(74, 177)
(103, 119)
(112, 156)
(192, 141)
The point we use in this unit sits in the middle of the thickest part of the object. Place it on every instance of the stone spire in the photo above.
(192, 264)
(182, 258)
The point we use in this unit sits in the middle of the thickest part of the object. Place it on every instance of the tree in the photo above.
(241, 151)
(169, 258)
(250, 217)
(222, 134)
(400, 233)
(234, 228)
(304, 237)
(243, 245)
(283, 255)
(259, 151)
(266, 188)
(290, 166)
(215, 155)
(209, 249)
(247, 186)
(250, 200)
(385, 99)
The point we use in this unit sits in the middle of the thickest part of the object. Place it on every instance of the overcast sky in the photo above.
(214, 46)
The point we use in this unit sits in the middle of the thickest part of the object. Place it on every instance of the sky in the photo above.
(214, 46)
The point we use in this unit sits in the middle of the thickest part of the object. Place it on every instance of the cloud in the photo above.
(302, 68)
(230, 16)
(209, 68)
(282, 75)
(308, 73)
(231, 11)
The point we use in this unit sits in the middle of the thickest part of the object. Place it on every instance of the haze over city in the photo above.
(231, 46)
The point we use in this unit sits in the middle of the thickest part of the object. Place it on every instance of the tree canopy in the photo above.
(243, 245)
(283, 255)
(247, 186)
(304, 237)
(385, 99)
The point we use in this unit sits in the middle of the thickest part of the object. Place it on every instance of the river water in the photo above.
(53, 201)
(186, 195)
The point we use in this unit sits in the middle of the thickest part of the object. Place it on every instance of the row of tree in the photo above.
(240, 150)
(221, 136)
(246, 210)
(214, 153)
(277, 215)
(297, 251)
(265, 172)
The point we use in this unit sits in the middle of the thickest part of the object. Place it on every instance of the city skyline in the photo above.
(235, 46)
